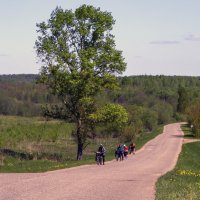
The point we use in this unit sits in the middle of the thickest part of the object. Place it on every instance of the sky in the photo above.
(157, 37)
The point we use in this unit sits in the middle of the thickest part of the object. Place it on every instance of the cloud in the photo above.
(164, 42)
(193, 37)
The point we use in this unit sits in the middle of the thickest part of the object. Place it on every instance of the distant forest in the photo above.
(21, 95)
(149, 100)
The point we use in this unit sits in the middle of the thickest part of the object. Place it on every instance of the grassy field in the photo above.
(183, 183)
(49, 144)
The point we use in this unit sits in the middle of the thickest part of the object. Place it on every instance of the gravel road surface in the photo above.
(133, 178)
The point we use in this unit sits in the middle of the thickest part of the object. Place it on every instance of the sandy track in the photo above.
(134, 178)
(187, 140)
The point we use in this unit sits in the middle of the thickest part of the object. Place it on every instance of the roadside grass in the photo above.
(145, 137)
(183, 183)
(187, 131)
(51, 145)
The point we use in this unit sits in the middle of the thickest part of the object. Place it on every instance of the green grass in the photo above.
(145, 137)
(187, 131)
(18, 166)
(183, 183)
(51, 144)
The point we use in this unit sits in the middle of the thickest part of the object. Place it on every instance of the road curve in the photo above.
(134, 178)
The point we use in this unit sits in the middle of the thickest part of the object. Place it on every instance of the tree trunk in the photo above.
(79, 141)
(79, 151)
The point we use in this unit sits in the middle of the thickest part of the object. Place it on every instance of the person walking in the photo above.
(132, 147)
(125, 151)
(102, 151)
(119, 152)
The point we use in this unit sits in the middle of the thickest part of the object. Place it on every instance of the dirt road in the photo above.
(134, 178)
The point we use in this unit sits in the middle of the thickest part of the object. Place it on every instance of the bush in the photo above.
(165, 112)
(150, 119)
(194, 118)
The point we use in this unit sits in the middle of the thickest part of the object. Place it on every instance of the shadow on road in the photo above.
(178, 136)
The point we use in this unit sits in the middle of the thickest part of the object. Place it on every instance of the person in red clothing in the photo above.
(125, 151)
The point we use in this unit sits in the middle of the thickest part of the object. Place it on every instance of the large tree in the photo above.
(79, 60)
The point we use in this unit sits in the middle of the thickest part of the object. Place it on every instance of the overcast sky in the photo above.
(157, 37)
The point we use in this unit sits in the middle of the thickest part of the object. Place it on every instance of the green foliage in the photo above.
(111, 113)
(129, 133)
(20, 95)
(193, 112)
(183, 182)
(78, 52)
(150, 120)
(165, 112)
(113, 117)
(183, 99)
(55, 111)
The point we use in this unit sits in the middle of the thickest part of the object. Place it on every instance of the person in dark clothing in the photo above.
(102, 150)
(119, 152)
(132, 148)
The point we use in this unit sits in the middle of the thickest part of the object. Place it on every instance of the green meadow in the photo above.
(49, 145)
(182, 183)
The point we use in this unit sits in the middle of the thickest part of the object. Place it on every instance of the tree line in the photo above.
(149, 100)
(21, 95)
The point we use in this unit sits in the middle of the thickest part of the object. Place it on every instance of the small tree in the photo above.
(113, 116)
(79, 60)
(150, 119)
(193, 112)
(165, 112)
